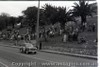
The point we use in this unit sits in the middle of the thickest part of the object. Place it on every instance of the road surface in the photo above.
(11, 57)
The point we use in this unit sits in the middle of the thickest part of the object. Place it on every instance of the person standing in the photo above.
(40, 46)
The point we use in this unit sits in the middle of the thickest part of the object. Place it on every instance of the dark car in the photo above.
(28, 48)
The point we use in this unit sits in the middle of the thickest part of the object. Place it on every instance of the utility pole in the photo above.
(37, 26)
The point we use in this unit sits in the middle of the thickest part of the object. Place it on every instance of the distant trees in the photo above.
(56, 14)
(12, 21)
(30, 16)
(7, 20)
(19, 20)
(48, 15)
(4, 19)
(64, 16)
(83, 9)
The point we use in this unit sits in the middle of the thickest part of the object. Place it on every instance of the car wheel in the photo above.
(26, 52)
(35, 52)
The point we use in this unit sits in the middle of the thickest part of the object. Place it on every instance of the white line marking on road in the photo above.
(3, 64)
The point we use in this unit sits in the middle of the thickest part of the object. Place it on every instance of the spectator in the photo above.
(93, 27)
(70, 36)
(75, 35)
(83, 27)
(65, 38)
(40, 46)
(61, 31)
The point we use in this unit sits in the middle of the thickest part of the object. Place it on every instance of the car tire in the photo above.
(26, 52)
(35, 52)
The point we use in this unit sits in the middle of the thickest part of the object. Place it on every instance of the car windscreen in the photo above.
(29, 45)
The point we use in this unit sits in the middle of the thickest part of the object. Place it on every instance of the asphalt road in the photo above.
(11, 57)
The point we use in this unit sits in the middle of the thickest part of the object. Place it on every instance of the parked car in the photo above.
(28, 48)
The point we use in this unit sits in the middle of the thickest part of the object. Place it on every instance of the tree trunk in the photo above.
(83, 19)
(12, 25)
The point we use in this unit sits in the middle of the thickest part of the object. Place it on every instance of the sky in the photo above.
(15, 8)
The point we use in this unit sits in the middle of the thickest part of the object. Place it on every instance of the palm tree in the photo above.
(83, 9)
